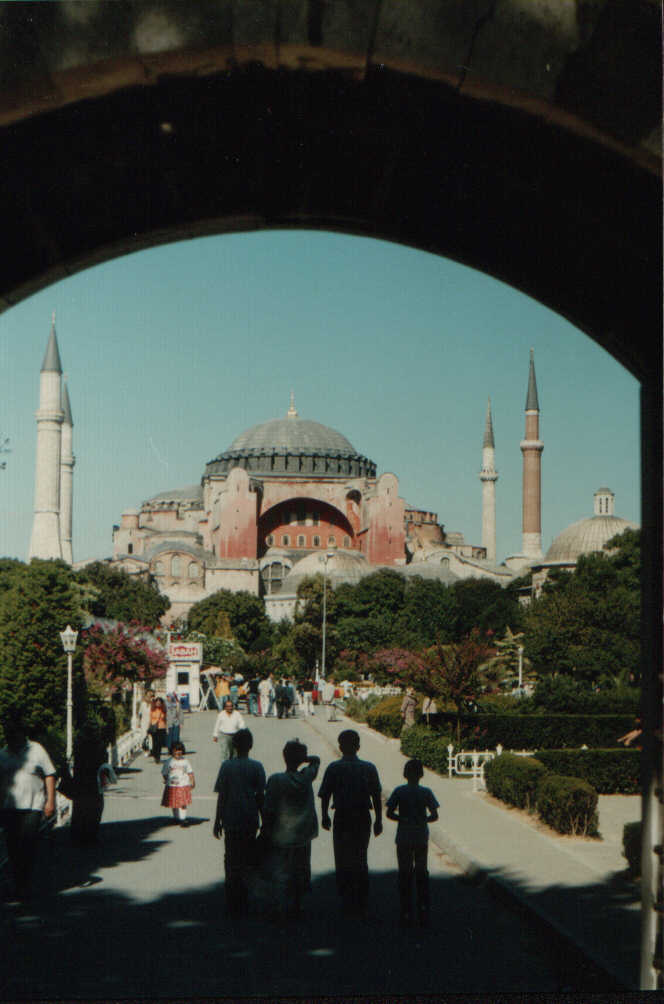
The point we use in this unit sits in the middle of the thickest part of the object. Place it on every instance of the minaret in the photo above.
(532, 447)
(67, 461)
(292, 412)
(45, 539)
(488, 476)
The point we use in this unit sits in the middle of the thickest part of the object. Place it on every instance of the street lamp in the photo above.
(520, 651)
(328, 555)
(68, 638)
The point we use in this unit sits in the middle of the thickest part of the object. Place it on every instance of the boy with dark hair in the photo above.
(413, 807)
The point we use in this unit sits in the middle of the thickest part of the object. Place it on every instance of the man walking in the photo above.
(328, 699)
(240, 791)
(27, 787)
(229, 721)
(354, 787)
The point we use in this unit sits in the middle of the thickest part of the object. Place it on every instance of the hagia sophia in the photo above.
(289, 498)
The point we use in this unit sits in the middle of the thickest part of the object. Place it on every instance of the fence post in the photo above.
(450, 761)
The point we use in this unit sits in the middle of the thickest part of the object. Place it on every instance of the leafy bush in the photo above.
(563, 694)
(429, 746)
(357, 709)
(385, 717)
(632, 833)
(536, 732)
(568, 804)
(514, 779)
(610, 772)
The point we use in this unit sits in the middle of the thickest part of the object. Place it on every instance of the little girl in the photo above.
(179, 780)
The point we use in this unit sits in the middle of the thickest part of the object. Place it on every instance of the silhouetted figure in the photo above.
(290, 824)
(27, 794)
(86, 787)
(354, 787)
(282, 698)
(413, 807)
(240, 788)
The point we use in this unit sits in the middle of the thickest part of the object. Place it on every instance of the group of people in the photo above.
(268, 826)
(160, 722)
(269, 697)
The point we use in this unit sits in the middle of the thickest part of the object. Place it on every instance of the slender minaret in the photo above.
(488, 477)
(67, 461)
(532, 447)
(45, 540)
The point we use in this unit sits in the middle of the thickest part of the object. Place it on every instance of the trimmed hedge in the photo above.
(385, 716)
(632, 833)
(430, 747)
(514, 779)
(542, 731)
(568, 804)
(610, 772)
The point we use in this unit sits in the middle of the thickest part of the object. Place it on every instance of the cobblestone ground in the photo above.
(142, 914)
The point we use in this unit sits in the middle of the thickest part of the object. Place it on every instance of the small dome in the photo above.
(586, 536)
(343, 566)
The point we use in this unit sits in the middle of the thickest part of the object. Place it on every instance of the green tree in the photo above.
(429, 614)
(35, 606)
(586, 623)
(245, 612)
(486, 606)
(120, 596)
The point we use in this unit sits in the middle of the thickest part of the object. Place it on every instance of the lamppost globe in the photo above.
(69, 637)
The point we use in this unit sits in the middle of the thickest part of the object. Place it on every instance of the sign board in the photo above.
(183, 676)
(185, 651)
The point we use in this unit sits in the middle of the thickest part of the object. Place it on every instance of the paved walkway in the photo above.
(576, 885)
(142, 914)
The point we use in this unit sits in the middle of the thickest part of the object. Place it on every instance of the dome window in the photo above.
(193, 570)
(332, 541)
(301, 541)
(159, 568)
(346, 541)
(176, 567)
(316, 541)
(285, 540)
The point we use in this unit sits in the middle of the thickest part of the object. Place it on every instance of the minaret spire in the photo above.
(531, 448)
(45, 540)
(292, 413)
(488, 476)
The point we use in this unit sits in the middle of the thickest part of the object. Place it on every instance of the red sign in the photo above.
(180, 651)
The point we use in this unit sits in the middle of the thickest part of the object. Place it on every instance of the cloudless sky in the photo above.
(170, 353)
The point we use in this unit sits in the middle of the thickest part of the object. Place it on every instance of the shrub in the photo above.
(514, 779)
(568, 804)
(429, 746)
(562, 693)
(385, 717)
(632, 833)
(542, 731)
(610, 772)
(357, 709)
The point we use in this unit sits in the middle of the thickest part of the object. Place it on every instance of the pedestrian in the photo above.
(234, 691)
(266, 692)
(289, 825)
(307, 696)
(408, 708)
(144, 721)
(254, 693)
(240, 788)
(174, 719)
(413, 807)
(292, 697)
(229, 721)
(179, 783)
(328, 699)
(353, 786)
(27, 795)
(281, 698)
(157, 727)
(86, 787)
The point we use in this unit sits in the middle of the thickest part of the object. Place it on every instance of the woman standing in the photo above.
(144, 723)
(157, 727)
(408, 708)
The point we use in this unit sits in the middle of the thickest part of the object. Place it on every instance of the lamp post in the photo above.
(328, 555)
(520, 651)
(68, 638)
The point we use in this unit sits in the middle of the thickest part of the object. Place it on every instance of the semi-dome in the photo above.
(293, 445)
(341, 566)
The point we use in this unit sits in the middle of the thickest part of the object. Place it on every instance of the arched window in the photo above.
(316, 541)
(130, 548)
(300, 541)
(159, 568)
(176, 566)
(193, 570)
(346, 541)
(331, 541)
(285, 540)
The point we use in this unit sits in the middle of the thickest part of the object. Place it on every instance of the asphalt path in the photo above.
(142, 914)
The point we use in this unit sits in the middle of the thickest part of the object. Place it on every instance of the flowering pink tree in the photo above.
(400, 666)
(112, 660)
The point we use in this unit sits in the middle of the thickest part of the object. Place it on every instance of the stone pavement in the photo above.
(577, 886)
(142, 914)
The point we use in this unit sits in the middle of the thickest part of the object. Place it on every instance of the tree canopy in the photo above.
(119, 596)
(245, 613)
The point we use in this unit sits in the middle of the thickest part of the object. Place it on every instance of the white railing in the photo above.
(470, 763)
(124, 747)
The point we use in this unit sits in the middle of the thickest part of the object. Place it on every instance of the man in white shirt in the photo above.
(229, 721)
(266, 694)
(27, 794)
(328, 699)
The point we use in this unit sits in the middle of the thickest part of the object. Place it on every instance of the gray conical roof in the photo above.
(66, 406)
(52, 362)
(532, 404)
(488, 427)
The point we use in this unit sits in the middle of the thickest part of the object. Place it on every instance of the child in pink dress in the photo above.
(180, 782)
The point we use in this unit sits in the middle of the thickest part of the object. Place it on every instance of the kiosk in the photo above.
(184, 671)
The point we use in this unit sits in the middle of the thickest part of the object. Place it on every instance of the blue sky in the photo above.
(171, 353)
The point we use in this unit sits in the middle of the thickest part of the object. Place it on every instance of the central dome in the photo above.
(293, 446)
